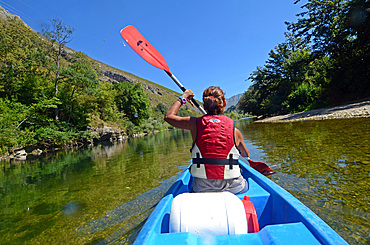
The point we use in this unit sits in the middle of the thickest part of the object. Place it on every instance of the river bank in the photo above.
(354, 110)
(100, 135)
(109, 134)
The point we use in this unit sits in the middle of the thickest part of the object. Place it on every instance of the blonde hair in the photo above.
(214, 100)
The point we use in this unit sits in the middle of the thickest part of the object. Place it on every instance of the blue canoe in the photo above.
(282, 218)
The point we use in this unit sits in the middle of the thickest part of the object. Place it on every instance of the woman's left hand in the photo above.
(188, 94)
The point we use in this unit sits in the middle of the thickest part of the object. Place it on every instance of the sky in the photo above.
(205, 43)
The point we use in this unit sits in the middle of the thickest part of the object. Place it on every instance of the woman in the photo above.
(217, 144)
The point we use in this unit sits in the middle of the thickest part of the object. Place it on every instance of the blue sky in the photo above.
(205, 43)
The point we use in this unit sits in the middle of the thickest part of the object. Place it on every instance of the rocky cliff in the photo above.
(5, 14)
(233, 100)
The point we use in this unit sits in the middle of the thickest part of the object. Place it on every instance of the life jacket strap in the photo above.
(215, 161)
(198, 158)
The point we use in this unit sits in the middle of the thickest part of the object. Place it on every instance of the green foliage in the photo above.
(233, 113)
(131, 128)
(12, 114)
(58, 36)
(132, 100)
(161, 109)
(102, 102)
(22, 61)
(186, 112)
(39, 78)
(301, 98)
(79, 78)
(152, 125)
(341, 32)
(324, 61)
(55, 135)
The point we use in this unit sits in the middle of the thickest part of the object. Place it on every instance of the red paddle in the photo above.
(143, 48)
(261, 167)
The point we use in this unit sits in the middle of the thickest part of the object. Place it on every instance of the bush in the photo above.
(153, 125)
(131, 128)
(12, 114)
(303, 98)
(53, 136)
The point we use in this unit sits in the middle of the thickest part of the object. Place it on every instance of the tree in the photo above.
(132, 100)
(272, 84)
(339, 29)
(78, 77)
(161, 108)
(24, 79)
(249, 102)
(58, 37)
(293, 79)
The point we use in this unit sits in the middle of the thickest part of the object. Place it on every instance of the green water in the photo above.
(326, 165)
(103, 194)
(79, 197)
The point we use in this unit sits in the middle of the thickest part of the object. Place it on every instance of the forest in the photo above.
(324, 61)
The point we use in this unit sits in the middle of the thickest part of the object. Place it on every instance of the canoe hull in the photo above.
(282, 218)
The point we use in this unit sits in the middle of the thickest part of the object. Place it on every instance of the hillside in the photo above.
(52, 96)
(156, 93)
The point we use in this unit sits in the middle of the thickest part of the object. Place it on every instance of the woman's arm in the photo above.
(177, 121)
(239, 140)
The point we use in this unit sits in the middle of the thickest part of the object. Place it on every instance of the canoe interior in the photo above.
(282, 218)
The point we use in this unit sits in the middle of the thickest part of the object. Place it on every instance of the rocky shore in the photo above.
(354, 110)
(103, 135)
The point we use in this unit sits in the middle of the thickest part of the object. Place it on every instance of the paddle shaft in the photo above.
(183, 90)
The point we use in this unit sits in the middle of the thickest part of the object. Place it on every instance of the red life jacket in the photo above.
(214, 152)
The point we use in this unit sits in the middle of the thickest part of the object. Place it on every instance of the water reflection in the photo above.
(45, 200)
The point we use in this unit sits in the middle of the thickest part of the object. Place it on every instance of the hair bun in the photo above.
(213, 98)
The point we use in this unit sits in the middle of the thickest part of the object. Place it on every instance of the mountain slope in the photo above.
(233, 100)
(156, 93)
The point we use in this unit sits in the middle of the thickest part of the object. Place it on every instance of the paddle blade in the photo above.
(261, 167)
(143, 48)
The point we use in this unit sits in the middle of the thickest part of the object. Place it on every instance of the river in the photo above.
(103, 194)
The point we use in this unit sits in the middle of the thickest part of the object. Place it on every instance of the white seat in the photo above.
(208, 214)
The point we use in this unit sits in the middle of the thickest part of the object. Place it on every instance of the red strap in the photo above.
(251, 214)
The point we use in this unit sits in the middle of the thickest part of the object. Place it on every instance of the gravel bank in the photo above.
(355, 110)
